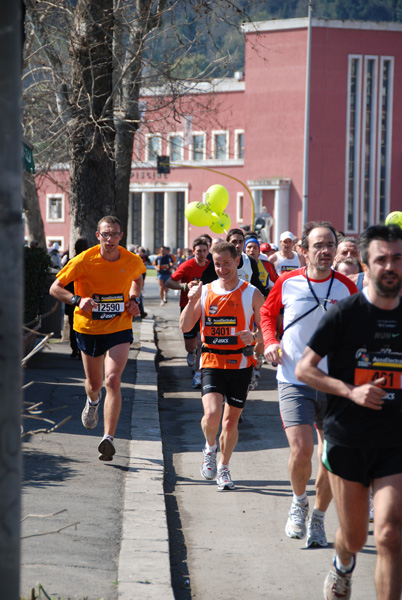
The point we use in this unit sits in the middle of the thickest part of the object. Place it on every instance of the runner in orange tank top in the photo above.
(229, 310)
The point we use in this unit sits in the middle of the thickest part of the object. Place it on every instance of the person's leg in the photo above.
(230, 434)
(352, 505)
(301, 443)
(93, 367)
(322, 486)
(210, 422)
(387, 533)
(161, 288)
(115, 362)
(190, 344)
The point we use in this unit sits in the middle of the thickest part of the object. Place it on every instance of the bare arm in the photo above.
(369, 394)
(58, 291)
(174, 285)
(192, 311)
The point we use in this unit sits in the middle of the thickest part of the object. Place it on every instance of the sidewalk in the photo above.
(93, 529)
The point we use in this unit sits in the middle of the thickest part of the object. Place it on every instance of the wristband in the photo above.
(135, 299)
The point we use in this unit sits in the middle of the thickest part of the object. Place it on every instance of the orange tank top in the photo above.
(224, 314)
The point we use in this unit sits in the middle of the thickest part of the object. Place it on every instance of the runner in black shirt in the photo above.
(362, 337)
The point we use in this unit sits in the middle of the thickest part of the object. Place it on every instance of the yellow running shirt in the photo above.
(108, 283)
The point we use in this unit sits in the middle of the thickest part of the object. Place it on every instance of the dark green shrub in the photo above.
(37, 280)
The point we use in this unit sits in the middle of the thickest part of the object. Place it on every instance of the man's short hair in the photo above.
(349, 260)
(110, 219)
(224, 247)
(208, 237)
(347, 238)
(308, 228)
(385, 233)
(234, 232)
(200, 241)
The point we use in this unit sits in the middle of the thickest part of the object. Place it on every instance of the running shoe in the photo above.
(162, 303)
(208, 467)
(223, 480)
(196, 384)
(106, 449)
(296, 523)
(316, 537)
(89, 416)
(338, 585)
(190, 359)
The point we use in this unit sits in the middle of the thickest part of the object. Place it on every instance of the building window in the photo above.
(137, 216)
(220, 145)
(369, 142)
(239, 144)
(240, 207)
(55, 207)
(154, 146)
(50, 240)
(353, 143)
(198, 146)
(384, 137)
(180, 220)
(175, 148)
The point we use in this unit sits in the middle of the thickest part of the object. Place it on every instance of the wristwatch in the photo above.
(75, 300)
(137, 300)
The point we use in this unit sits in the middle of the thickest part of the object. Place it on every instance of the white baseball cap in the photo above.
(286, 235)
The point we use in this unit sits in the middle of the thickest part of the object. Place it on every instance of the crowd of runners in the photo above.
(326, 310)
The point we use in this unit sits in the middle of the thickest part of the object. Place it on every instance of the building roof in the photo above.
(302, 23)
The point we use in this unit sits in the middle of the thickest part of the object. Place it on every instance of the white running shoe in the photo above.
(296, 523)
(162, 303)
(89, 415)
(223, 480)
(208, 467)
(338, 585)
(196, 384)
(190, 359)
(316, 537)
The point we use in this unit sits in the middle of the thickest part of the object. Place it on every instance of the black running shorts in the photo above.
(96, 345)
(231, 383)
(361, 464)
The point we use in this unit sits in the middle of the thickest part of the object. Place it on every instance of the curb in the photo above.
(144, 565)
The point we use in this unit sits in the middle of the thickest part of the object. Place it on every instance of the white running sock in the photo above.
(209, 448)
(300, 499)
(221, 466)
(93, 403)
(318, 513)
(344, 568)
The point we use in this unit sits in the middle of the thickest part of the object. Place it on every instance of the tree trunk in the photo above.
(33, 217)
(11, 268)
(92, 167)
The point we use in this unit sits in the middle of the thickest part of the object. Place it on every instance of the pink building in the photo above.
(252, 130)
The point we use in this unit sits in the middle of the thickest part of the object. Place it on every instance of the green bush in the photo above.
(37, 280)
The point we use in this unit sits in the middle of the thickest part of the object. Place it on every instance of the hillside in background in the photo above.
(218, 43)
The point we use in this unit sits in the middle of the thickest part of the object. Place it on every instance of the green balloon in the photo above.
(220, 223)
(198, 214)
(217, 198)
(394, 218)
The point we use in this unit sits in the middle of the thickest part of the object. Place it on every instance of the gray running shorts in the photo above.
(301, 405)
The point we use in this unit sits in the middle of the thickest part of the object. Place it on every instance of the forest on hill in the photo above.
(226, 50)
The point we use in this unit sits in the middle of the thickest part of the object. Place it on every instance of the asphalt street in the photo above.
(100, 530)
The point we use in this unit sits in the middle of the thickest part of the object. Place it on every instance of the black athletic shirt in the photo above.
(362, 343)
